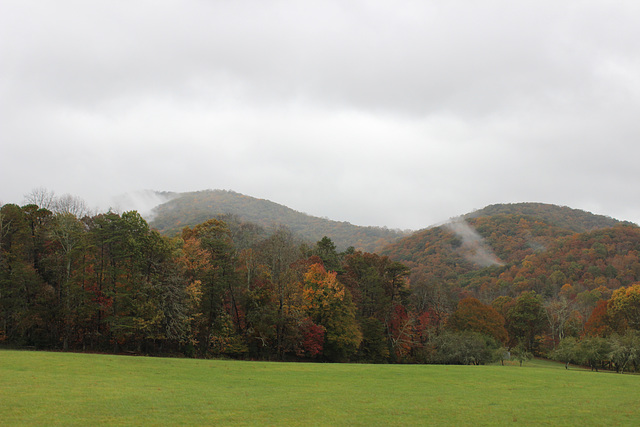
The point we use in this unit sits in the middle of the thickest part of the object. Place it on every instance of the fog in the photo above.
(473, 247)
(399, 114)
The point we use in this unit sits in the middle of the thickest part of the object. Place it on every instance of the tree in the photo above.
(41, 197)
(24, 295)
(558, 311)
(521, 354)
(396, 275)
(526, 319)
(312, 339)
(472, 315)
(566, 351)
(329, 305)
(624, 349)
(278, 252)
(38, 221)
(503, 304)
(164, 293)
(624, 307)
(374, 347)
(404, 333)
(68, 232)
(376, 283)
(326, 250)
(464, 348)
(211, 245)
(592, 351)
(599, 323)
(128, 242)
(135, 293)
(68, 204)
(364, 277)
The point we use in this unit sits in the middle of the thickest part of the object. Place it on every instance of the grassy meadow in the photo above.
(42, 388)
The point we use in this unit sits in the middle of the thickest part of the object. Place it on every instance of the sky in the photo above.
(387, 113)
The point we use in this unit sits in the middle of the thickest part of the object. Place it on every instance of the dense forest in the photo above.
(189, 209)
(561, 216)
(581, 270)
(512, 283)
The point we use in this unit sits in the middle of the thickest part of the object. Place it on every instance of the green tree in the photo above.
(277, 254)
(464, 348)
(213, 267)
(592, 351)
(374, 347)
(624, 349)
(132, 269)
(24, 295)
(566, 351)
(396, 275)
(376, 283)
(521, 354)
(326, 250)
(69, 235)
(526, 319)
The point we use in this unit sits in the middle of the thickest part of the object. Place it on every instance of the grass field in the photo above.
(40, 388)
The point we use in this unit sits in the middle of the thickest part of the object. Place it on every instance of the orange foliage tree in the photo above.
(329, 305)
(473, 315)
(624, 307)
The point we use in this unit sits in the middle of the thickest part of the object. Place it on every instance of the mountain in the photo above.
(510, 231)
(506, 249)
(189, 209)
(560, 216)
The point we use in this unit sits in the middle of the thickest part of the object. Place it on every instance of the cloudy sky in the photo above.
(394, 113)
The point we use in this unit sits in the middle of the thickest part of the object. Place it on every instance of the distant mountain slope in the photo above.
(560, 216)
(608, 258)
(189, 209)
(503, 247)
(460, 247)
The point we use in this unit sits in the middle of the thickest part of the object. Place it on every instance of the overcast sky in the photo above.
(389, 113)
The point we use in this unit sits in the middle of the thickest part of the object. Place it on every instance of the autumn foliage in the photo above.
(473, 315)
(228, 288)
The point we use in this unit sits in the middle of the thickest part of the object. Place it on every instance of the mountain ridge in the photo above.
(577, 220)
(542, 224)
(192, 208)
(502, 250)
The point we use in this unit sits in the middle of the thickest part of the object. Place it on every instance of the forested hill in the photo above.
(520, 279)
(560, 216)
(507, 249)
(189, 209)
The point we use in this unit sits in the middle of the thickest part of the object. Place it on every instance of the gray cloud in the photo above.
(378, 113)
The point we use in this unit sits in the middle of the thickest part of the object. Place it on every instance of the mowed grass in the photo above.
(41, 388)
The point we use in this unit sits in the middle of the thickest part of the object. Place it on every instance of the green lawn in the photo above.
(41, 388)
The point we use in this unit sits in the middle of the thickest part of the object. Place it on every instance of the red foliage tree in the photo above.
(312, 339)
(598, 324)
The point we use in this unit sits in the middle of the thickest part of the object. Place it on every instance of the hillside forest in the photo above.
(189, 209)
(511, 282)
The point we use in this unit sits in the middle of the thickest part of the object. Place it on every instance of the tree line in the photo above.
(108, 282)
(79, 281)
(611, 336)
